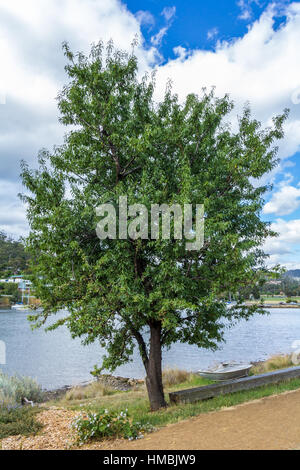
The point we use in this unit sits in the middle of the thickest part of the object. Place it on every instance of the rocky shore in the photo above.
(121, 384)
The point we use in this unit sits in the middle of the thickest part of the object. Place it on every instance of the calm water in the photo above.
(54, 359)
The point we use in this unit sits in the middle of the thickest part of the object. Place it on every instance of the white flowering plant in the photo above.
(108, 424)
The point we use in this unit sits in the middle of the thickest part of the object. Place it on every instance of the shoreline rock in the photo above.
(122, 384)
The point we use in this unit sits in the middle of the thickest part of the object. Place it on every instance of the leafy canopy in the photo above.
(121, 142)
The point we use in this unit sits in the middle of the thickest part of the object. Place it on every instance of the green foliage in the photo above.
(14, 389)
(290, 286)
(11, 290)
(13, 258)
(107, 424)
(18, 421)
(124, 143)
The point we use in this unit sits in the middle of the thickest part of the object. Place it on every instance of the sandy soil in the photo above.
(269, 423)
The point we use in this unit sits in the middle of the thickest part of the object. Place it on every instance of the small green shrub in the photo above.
(11, 291)
(107, 424)
(14, 389)
(18, 421)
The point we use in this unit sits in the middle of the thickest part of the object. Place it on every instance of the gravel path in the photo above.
(269, 423)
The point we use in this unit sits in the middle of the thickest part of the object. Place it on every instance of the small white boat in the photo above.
(226, 371)
(19, 307)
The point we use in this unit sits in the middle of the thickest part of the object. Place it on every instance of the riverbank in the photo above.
(273, 305)
(232, 428)
(125, 384)
(115, 383)
(179, 426)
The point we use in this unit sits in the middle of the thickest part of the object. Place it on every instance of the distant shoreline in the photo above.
(247, 304)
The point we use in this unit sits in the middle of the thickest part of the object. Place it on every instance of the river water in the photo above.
(55, 359)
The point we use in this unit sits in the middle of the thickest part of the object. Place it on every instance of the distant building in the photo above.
(22, 283)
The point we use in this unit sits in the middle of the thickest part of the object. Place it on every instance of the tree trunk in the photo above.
(153, 369)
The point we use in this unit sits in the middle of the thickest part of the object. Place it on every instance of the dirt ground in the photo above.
(269, 423)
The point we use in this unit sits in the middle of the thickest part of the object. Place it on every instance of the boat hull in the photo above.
(19, 307)
(226, 375)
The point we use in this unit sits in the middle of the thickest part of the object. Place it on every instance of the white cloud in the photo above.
(12, 213)
(157, 38)
(31, 38)
(180, 52)
(169, 13)
(285, 248)
(289, 231)
(32, 71)
(212, 33)
(246, 10)
(283, 202)
(145, 17)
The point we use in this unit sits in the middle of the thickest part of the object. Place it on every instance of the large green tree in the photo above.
(149, 293)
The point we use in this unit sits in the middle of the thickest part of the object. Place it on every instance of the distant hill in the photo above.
(292, 273)
(13, 258)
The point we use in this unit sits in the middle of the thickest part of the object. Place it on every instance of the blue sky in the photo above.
(197, 24)
(248, 48)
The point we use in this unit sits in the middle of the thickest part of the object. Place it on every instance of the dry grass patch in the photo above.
(274, 363)
(175, 376)
(93, 390)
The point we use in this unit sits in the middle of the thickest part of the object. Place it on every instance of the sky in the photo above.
(247, 48)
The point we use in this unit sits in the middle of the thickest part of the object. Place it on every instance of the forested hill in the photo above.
(13, 258)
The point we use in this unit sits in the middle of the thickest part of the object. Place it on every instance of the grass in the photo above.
(15, 419)
(276, 298)
(175, 377)
(18, 421)
(93, 390)
(13, 390)
(274, 363)
(138, 405)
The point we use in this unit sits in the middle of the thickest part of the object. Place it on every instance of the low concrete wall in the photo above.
(210, 391)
